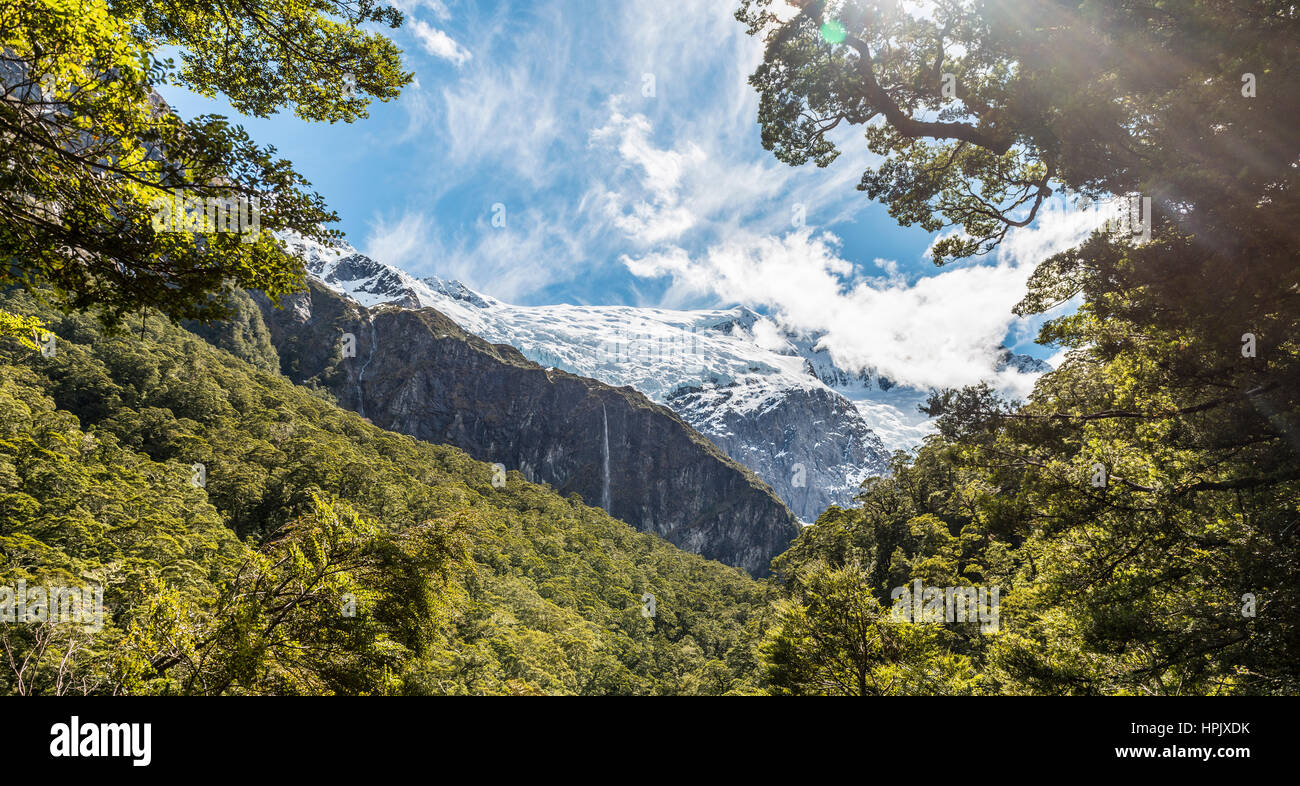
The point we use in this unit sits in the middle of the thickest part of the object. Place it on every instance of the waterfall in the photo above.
(604, 496)
(361, 375)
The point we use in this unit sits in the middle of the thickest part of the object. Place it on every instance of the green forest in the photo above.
(243, 585)
(1138, 511)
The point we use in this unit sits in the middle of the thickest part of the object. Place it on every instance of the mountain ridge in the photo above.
(448, 386)
(767, 398)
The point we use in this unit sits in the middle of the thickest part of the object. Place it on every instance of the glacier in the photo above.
(772, 400)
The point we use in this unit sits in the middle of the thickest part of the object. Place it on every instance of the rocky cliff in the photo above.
(415, 371)
(809, 444)
(773, 400)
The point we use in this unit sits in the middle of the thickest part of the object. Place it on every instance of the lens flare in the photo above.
(833, 32)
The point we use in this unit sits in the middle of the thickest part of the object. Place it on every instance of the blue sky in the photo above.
(621, 139)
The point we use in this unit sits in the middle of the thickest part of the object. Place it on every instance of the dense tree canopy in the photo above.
(982, 109)
(110, 202)
(319, 553)
(311, 55)
(1149, 489)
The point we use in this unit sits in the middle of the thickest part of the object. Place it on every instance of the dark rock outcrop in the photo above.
(417, 372)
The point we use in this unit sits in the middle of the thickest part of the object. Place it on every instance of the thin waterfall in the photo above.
(361, 375)
(604, 496)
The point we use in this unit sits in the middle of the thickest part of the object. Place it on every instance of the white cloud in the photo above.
(500, 261)
(657, 215)
(767, 335)
(436, 7)
(942, 330)
(509, 119)
(550, 119)
(709, 182)
(438, 43)
(401, 243)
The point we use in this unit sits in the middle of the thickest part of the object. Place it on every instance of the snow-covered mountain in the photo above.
(771, 400)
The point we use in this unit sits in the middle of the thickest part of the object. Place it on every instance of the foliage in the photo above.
(109, 202)
(835, 638)
(990, 107)
(1141, 505)
(313, 55)
(241, 586)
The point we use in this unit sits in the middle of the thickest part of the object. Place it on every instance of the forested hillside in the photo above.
(418, 373)
(307, 514)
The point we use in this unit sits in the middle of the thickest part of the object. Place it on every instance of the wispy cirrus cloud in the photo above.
(626, 152)
(436, 7)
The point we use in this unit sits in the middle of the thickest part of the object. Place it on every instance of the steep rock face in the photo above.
(766, 410)
(772, 399)
(417, 372)
(773, 439)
